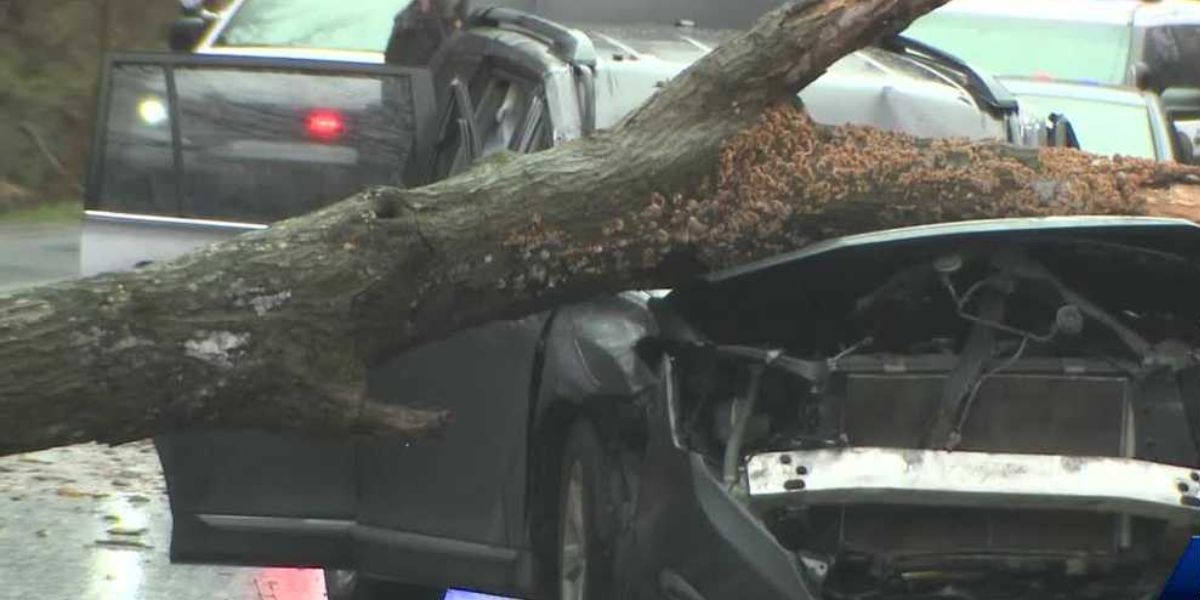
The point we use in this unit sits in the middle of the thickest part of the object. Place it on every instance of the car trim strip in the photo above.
(342, 527)
(138, 218)
(277, 524)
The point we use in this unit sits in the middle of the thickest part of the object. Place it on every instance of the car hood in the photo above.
(1169, 236)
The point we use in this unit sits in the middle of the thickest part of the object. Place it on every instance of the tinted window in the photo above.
(1006, 46)
(264, 156)
(345, 25)
(1173, 55)
(255, 144)
(138, 173)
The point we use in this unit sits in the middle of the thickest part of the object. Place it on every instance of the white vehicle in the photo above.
(1119, 68)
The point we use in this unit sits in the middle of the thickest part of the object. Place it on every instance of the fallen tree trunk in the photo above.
(275, 328)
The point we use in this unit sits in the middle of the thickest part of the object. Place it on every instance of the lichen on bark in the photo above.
(786, 182)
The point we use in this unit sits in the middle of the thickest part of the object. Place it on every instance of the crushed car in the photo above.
(998, 409)
(672, 443)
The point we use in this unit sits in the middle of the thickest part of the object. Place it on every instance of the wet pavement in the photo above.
(91, 522)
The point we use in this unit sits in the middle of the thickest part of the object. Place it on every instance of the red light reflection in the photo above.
(325, 124)
(290, 584)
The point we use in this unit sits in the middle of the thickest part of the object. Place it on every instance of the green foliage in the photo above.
(50, 53)
(53, 211)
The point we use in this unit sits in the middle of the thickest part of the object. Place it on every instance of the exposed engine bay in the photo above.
(962, 419)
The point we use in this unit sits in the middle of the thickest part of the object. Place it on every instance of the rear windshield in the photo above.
(248, 144)
(1004, 46)
(346, 25)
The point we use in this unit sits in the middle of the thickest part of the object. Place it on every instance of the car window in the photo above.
(1173, 55)
(214, 147)
(883, 62)
(359, 25)
(501, 112)
(1102, 127)
(508, 114)
(538, 132)
(1189, 129)
(1066, 50)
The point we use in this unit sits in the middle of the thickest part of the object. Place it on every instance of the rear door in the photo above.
(191, 148)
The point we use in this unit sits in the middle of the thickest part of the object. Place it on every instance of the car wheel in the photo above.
(587, 519)
(341, 584)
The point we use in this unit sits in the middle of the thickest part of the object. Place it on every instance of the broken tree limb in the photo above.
(275, 328)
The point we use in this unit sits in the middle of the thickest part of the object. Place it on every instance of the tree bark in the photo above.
(275, 328)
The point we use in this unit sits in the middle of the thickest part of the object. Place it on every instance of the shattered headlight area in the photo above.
(982, 421)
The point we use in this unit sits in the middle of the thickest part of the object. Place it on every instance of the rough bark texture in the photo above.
(275, 328)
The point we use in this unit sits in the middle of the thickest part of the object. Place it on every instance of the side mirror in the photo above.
(1060, 133)
(186, 32)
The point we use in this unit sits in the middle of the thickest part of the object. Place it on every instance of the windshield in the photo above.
(359, 25)
(1103, 128)
(1065, 50)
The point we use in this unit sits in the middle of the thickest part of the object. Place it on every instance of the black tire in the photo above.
(597, 488)
(349, 585)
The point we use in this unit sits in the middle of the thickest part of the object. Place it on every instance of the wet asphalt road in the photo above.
(37, 253)
(92, 523)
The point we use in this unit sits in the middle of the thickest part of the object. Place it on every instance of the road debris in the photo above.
(126, 531)
(123, 544)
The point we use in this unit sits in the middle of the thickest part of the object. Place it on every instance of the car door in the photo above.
(191, 148)
(449, 510)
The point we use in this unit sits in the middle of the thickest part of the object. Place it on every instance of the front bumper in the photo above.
(976, 480)
(701, 541)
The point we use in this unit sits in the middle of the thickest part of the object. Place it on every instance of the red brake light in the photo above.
(325, 125)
